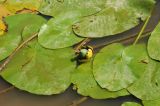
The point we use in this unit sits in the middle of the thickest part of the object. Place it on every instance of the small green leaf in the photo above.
(57, 33)
(117, 17)
(153, 44)
(109, 69)
(12, 38)
(84, 81)
(130, 104)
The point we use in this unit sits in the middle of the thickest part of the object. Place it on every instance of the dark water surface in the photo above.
(16, 97)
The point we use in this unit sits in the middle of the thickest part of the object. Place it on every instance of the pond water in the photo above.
(16, 97)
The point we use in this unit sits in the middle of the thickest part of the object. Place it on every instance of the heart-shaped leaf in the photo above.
(84, 81)
(110, 70)
(117, 17)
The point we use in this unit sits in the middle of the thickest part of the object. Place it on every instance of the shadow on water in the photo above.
(16, 97)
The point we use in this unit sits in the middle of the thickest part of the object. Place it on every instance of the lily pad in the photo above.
(153, 44)
(16, 23)
(57, 33)
(16, 5)
(136, 57)
(147, 86)
(117, 17)
(84, 82)
(109, 69)
(152, 103)
(130, 104)
(41, 75)
(146, 71)
(56, 7)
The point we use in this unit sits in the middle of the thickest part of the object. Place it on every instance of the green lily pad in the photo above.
(109, 69)
(117, 17)
(153, 44)
(16, 23)
(84, 82)
(136, 57)
(57, 33)
(56, 7)
(147, 86)
(130, 104)
(43, 74)
(152, 103)
(145, 70)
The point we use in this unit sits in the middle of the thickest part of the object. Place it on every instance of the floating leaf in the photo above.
(42, 74)
(56, 7)
(84, 81)
(16, 23)
(130, 104)
(147, 86)
(109, 69)
(146, 71)
(57, 33)
(136, 57)
(117, 17)
(16, 5)
(153, 44)
(152, 103)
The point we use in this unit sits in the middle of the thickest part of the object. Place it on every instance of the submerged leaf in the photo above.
(43, 74)
(153, 44)
(109, 69)
(84, 81)
(130, 104)
(16, 23)
(117, 17)
(56, 7)
(57, 33)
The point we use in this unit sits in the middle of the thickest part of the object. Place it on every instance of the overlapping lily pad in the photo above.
(84, 82)
(136, 57)
(42, 74)
(56, 7)
(57, 33)
(109, 69)
(117, 17)
(147, 86)
(16, 23)
(153, 44)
